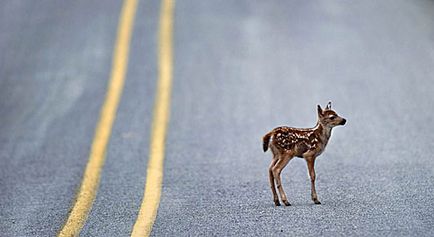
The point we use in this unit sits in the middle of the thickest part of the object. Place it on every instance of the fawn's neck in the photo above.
(323, 132)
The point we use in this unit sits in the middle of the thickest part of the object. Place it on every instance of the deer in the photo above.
(307, 143)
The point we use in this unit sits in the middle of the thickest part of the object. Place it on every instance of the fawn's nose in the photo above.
(343, 121)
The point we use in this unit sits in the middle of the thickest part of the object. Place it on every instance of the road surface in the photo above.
(240, 68)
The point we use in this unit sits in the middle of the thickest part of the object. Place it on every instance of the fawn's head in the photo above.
(328, 117)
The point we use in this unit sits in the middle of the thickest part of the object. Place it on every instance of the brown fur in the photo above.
(308, 143)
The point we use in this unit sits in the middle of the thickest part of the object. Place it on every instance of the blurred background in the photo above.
(241, 68)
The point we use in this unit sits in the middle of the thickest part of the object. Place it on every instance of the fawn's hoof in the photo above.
(276, 203)
(286, 203)
(316, 201)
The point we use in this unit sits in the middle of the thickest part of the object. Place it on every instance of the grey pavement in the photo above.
(241, 68)
(54, 66)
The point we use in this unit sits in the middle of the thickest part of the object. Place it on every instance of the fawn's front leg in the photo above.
(311, 167)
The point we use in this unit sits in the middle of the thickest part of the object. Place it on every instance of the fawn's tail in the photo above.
(266, 141)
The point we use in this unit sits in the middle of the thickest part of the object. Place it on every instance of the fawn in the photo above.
(307, 143)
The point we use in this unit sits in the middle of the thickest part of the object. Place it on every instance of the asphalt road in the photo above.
(241, 68)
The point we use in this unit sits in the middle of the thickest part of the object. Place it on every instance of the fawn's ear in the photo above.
(319, 110)
(329, 105)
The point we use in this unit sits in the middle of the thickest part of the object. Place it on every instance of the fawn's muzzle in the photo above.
(344, 121)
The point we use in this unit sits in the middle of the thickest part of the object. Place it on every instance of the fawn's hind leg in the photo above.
(272, 184)
(277, 170)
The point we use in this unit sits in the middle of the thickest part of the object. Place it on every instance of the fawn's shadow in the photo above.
(295, 205)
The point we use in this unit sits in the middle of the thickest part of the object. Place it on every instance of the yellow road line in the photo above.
(92, 173)
(154, 177)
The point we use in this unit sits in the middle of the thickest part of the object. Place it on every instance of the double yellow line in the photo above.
(92, 173)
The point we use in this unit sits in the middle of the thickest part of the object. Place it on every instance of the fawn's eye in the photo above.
(332, 117)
